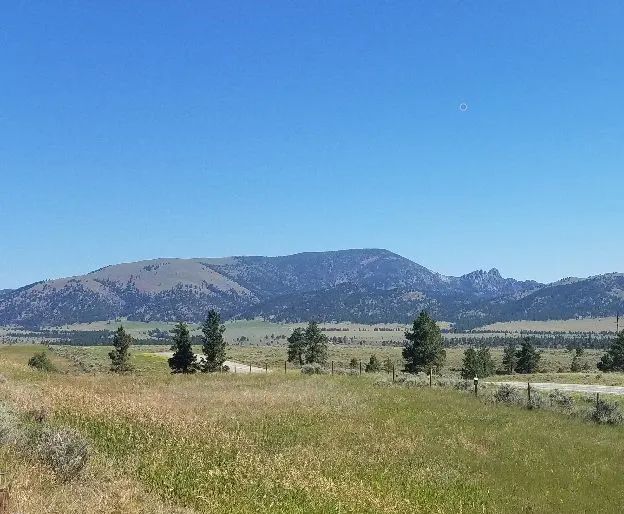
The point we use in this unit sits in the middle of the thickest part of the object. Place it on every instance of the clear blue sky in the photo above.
(134, 130)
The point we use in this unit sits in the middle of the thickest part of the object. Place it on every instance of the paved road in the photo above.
(570, 388)
(235, 367)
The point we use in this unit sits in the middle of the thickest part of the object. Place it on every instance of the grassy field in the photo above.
(292, 443)
(568, 325)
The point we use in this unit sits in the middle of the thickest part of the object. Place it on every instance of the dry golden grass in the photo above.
(293, 443)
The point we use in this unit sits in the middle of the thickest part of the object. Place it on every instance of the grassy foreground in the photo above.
(293, 443)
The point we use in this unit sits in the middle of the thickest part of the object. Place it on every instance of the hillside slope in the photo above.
(366, 285)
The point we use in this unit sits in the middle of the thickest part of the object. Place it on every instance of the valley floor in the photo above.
(285, 442)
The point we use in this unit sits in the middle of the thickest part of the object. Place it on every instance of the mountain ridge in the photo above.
(365, 285)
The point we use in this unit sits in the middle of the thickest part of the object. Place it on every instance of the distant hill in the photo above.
(365, 285)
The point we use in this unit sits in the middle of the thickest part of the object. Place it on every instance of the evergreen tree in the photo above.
(613, 359)
(183, 360)
(528, 357)
(120, 354)
(575, 366)
(315, 344)
(213, 344)
(509, 359)
(353, 363)
(470, 364)
(424, 348)
(486, 362)
(373, 365)
(296, 346)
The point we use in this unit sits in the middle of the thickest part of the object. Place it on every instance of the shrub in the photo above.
(9, 425)
(42, 362)
(463, 385)
(373, 365)
(536, 401)
(312, 369)
(506, 394)
(65, 451)
(605, 413)
(561, 401)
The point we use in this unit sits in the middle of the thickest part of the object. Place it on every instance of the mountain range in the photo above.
(362, 285)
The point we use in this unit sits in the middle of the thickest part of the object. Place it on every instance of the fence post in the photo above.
(266, 367)
(476, 385)
(392, 372)
(431, 377)
(360, 367)
(597, 399)
(529, 393)
(332, 367)
(250, 369)
(284, 367)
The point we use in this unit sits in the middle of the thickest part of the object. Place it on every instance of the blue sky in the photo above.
(134, 130)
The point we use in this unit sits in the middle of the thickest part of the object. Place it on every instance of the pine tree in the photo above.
(470, 364)
(486, 362)
(183, 359)
(424, 348)
(509, 359)
(613, 359)
(373, 365)
(120, 355)
(387, 365)
(296, 346)
(528, 357)
(315, 344)
(213, 344)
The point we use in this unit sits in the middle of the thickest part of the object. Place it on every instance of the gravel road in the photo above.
(235, 367)
(570, 388)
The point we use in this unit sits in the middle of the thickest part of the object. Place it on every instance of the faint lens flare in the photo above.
(463, 107)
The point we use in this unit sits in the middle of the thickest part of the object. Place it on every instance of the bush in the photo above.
(463, 385)
(312, 369)
(507, 394)
(536, 401)
(9, 426)
(42, 362)
(64, 450)
(605, 413)
(561, 401)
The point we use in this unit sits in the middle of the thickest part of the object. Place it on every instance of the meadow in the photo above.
(286, 442)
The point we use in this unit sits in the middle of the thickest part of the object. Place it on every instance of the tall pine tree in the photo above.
(613, 359)
(424, 348)
(183, 359)
(213, 344)
(315, 344)
(120, 354)
(528, 357)
(296, 346)
(509, 358)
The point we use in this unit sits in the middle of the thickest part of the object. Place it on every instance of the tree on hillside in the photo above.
(315, 344)
(296, 346)
(613, 359)
(183, 359)
(213, 344)
(509, 358)
(477, 363)
(424, 348)
(373, 365)
(120, 354)
(528, 357)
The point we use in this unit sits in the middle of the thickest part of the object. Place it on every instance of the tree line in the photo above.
(423, 350)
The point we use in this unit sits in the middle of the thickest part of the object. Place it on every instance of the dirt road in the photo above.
(235, 367)
(570, 388)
